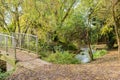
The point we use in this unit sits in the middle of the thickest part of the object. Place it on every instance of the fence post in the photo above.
(20, 40)
(28, 43)
(6, 44)
(36, 45)
(14, 47)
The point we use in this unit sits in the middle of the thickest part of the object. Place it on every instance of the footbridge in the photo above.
(19, 48)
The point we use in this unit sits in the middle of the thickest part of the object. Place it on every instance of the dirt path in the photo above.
(29, 60)
(105, 68)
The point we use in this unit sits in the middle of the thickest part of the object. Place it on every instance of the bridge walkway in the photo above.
(24, 58)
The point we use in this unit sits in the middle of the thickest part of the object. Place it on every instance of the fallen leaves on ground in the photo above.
(105, 68)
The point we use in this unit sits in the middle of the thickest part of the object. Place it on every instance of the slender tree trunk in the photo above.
(67, 13)
(116, 27)
(119, 47)
(89, 45)
(17, 20)
(17, 25)
(90, 51)
(89, 37)
(14, 25)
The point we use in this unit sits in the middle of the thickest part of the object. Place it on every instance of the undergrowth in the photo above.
(62, 58)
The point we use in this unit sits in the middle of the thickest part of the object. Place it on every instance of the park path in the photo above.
(104, 68)
(29, 60)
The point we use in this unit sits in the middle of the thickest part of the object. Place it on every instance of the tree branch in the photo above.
(65, 16)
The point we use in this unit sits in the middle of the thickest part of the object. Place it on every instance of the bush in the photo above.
(4, 75)
(99, 53)
(62, 58)
(44, 54)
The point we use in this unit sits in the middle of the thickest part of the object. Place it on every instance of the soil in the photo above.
(104, 68)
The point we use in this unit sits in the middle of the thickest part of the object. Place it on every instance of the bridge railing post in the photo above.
(14, 47)
(20, 41)
(36, 45)
(6, 44)
(28, 43)
(1, 39)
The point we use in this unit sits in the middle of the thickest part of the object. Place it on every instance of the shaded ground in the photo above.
(105, 68)
(26, 59)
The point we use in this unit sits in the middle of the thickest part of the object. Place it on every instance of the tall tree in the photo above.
(116, 18)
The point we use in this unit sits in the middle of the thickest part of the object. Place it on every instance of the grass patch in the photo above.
(99, 53)
(5, 75)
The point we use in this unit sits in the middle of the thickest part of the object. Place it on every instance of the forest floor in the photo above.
(104, 68)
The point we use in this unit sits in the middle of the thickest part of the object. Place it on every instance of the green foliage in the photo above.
(74, 21)
(106, 29)
(3, 76)
(99, 53)
(44, 54)
(62, 58)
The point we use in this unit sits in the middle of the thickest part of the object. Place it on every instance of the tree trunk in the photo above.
(89, 44)
(90, 50)
(118, 46)
(116, 27)
(17, 20)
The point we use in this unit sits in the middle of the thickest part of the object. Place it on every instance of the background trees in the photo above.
(70, 24)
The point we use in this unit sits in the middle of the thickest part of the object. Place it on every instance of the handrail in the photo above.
(25, 34)
(12, 41)
(6, 35)
(20, 37)
(5, 38)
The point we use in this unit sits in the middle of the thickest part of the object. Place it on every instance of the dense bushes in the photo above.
(69, 58)
(62, 58)
(99, 53)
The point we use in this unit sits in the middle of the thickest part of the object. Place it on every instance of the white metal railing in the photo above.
(8, 44)
(27, 42)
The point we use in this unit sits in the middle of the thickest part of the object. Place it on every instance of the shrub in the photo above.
(4, 75)
(99, 53)
(44, 54)
(62, 58)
